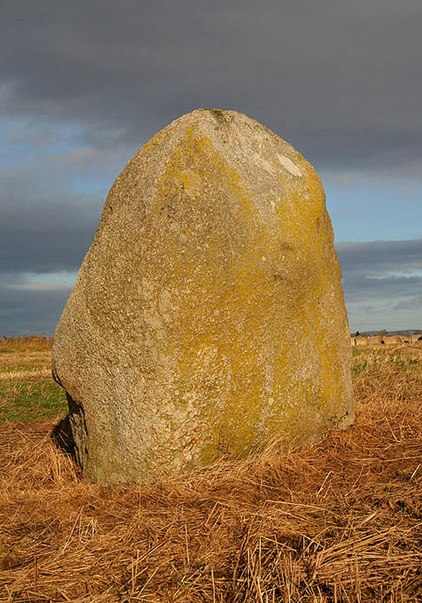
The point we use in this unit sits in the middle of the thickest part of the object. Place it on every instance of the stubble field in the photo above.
(335, 522)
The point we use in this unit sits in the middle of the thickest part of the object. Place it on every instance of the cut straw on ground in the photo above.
(339, 521)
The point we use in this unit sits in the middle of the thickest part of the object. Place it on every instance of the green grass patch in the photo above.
(27, 390)
(26, 400)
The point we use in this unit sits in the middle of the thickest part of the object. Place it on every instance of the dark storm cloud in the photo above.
(410, 304)
(26, 311)
(84, 84)
(361, 287)
(48, 219)
(44, 241)
(337, 79)
(45, 231)
(381, 269)
(380, 257)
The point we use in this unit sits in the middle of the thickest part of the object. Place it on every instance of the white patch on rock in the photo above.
(289, 165)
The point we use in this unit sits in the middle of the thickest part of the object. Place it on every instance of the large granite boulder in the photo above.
(208, 315)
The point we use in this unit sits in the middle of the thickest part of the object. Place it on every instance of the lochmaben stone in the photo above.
(208, 316)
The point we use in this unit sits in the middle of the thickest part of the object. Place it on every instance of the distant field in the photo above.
(337, 522)
(27, 390)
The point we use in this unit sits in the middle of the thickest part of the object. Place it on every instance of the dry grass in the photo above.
(336, 522)
(27, 390)
(36, 343)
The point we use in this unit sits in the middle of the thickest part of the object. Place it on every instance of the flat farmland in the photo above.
(339, 521)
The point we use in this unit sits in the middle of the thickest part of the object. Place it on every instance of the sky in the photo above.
(84, 84)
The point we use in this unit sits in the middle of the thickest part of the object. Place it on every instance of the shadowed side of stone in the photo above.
(70, 433)
(208, 316)
(78, 427)
(62, 437)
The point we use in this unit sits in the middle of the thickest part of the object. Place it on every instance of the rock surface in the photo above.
(208, 315)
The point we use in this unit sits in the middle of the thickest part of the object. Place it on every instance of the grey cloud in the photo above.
(381, 270)
(24, 312)
(49, 170)
(338, 80)
(369, 309)
(382, 283)
(360, 287)
(40, 236)
(380, 257)
(47, 225)
(410, 304)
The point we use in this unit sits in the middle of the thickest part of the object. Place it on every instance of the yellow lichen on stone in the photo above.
(208, 316)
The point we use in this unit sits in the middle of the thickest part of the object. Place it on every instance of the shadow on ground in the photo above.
(62, 437)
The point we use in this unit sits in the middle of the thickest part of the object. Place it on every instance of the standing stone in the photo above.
(208, 315)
